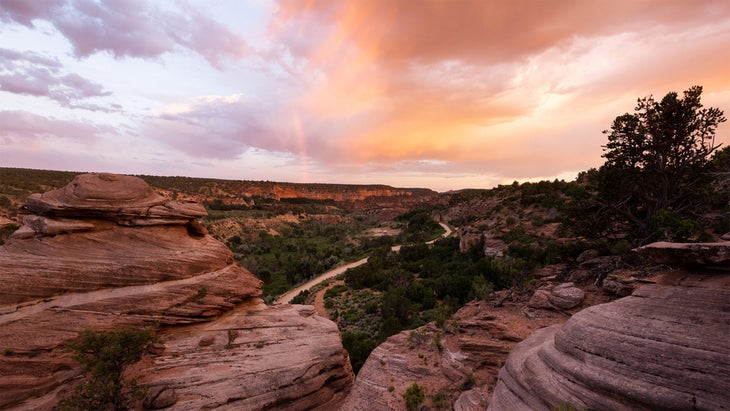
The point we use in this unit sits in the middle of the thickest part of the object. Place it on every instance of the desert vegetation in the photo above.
(105, 355)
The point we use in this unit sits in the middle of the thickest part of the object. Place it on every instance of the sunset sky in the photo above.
(412, 93)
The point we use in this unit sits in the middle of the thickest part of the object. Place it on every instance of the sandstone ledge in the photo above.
(693, 255)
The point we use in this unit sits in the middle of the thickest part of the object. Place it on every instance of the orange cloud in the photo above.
(475, 82)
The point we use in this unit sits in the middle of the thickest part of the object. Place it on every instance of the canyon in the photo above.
(646, 329)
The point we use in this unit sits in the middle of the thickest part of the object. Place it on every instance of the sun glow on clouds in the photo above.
(444, 95)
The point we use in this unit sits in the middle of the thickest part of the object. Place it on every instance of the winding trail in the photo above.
(287, 297)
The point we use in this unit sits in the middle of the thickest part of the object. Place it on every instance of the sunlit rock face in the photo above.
(664, 347)
(106, 251)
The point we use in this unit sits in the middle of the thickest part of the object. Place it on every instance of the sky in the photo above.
(445, 94)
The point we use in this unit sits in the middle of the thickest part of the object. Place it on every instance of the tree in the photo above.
(105, 355)
(657, 161)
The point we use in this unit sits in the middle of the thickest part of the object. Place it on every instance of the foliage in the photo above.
(420, 226)
(300, 298)
(358, 345)
(442, 400)
(657, 159)
(303, 250)
(414, 396)
(335, 290)
(105, 355)
(671, 226)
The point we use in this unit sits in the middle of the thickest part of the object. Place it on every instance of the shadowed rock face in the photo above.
(664, 347)
(105, 252)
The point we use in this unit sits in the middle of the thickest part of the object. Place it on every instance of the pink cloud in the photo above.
(21, 127)
(33, 74)
(224, 128)
(130, 28)
(24, 12)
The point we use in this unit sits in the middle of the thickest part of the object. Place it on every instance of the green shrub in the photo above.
(441, 400)
(105, 355)
(335, 291)
(301, 298)
(437, 341)
(670, 226)
(414, 396)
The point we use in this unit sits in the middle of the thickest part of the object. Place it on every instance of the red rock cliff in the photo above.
(106, 251)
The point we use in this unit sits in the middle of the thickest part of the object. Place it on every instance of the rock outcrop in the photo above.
(456, 363)
(709, 255)
(664, 347)
(106, 251)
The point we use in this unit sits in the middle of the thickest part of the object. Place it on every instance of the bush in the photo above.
(670, 226)
(414, 396)
(105, 355)
(358, 345)
(442, 400)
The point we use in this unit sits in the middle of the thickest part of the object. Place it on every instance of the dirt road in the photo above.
(287, 297)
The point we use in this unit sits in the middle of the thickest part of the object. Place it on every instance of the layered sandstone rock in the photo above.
(282, 358)
(106, 252)
(664, 347)
(458, 362)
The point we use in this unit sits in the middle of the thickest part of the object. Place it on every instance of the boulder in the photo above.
(562, 296)
(566, 296)
(581, 276)
(540, 299)
(281, 358)
(587, 255)
(617, 288)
